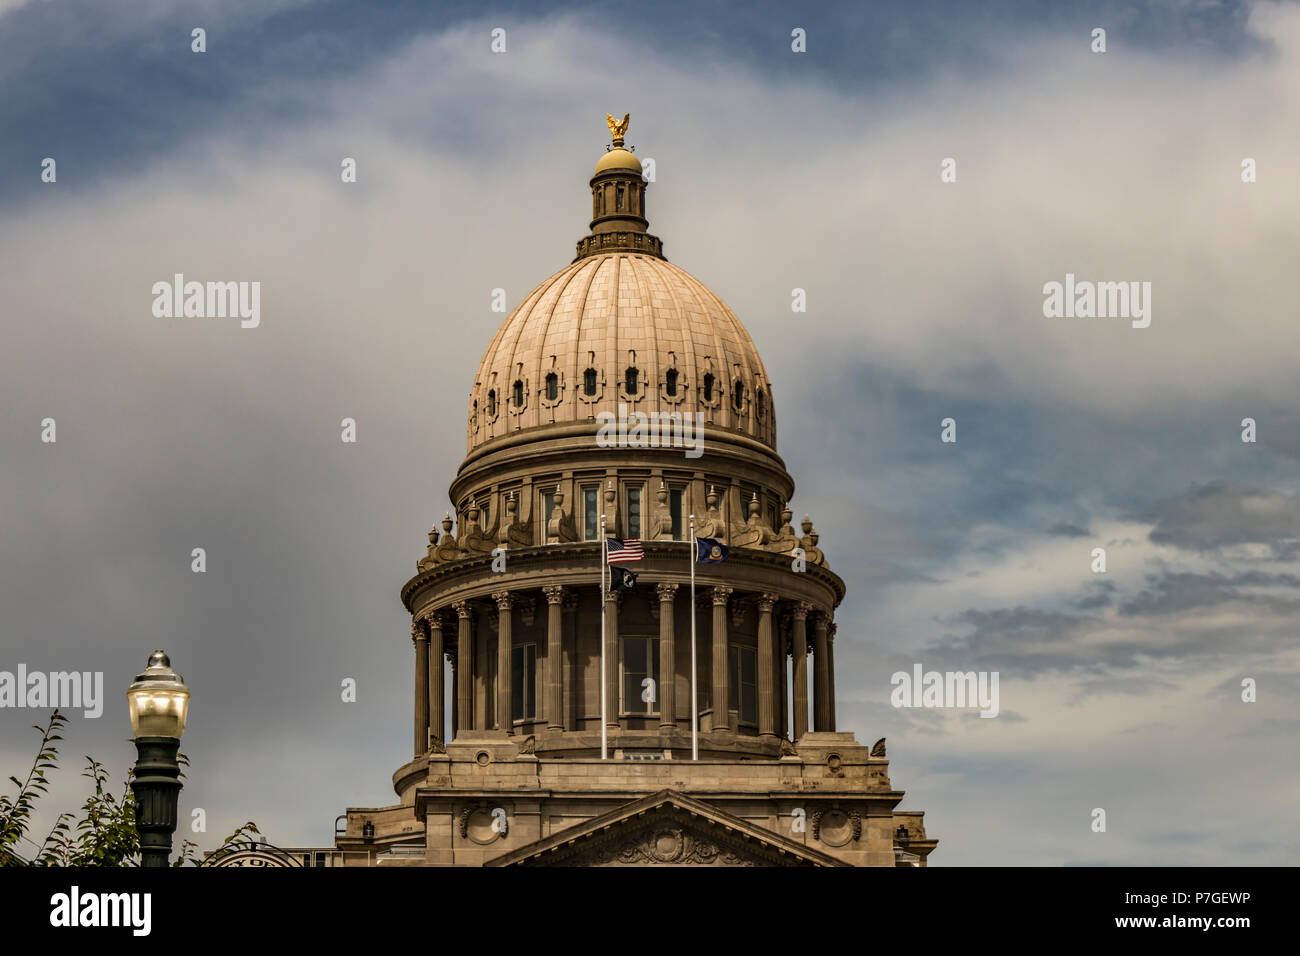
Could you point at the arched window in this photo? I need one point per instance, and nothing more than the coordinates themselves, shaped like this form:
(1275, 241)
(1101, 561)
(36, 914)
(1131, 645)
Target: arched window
(708, 387)
(552, 387)
(492, 403)
(738, 395)
(589, 382)
(629, 381)
(670, 382)
(518, 389)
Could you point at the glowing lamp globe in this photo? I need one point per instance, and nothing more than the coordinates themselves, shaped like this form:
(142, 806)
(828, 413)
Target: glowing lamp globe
(159, 700)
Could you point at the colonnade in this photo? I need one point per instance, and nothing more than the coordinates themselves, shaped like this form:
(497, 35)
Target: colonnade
(434, 639)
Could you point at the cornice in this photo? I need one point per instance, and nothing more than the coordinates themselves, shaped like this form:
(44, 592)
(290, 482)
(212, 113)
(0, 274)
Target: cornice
(578, 564)
(562, 437)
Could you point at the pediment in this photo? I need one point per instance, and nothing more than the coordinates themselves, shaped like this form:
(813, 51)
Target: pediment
(666, 829)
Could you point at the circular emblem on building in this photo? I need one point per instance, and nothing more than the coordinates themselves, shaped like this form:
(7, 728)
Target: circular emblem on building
(836, 828)
(252, 854)
(667, 845)
(482, 827)
(483, 758)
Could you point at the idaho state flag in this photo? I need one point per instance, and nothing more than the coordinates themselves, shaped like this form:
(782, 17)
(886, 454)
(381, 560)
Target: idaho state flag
(710, 551)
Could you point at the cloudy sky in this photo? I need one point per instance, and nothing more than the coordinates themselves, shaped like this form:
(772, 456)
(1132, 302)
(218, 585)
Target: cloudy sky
(775, 171)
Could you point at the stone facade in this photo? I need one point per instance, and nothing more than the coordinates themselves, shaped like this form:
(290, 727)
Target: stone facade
(507, 609)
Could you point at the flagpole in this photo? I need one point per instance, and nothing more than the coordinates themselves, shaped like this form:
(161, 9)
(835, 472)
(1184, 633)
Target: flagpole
(695, 706)
(604, 612)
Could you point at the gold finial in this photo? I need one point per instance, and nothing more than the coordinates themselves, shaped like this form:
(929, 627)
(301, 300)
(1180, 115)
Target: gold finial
(616, 130)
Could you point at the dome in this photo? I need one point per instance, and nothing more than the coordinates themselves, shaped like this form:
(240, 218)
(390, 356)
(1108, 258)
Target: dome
(618, 158)
(620, 328)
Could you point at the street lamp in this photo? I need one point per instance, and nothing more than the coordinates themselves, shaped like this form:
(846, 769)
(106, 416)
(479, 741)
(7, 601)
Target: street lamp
(159, 703)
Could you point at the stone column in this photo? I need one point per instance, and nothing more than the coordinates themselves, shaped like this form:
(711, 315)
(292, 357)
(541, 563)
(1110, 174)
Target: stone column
(766, 668)
(484, 718)
(799, 641)
(421, 641)
(554, 658)
(667, 659)
(830, 666)
(464, 669)
(504, 603)
(571, 663)
(721, 690)
(822, 675)
(455, 698)
(782, 683)
(437, 694)
(611, 660)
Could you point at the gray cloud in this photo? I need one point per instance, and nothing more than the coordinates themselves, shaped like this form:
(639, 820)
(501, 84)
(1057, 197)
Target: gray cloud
(1223, 513)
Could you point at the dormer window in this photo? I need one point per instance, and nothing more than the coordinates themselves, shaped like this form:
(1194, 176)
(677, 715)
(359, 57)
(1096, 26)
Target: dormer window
(492, 403)
(589, 382)
(738, 395)
(552, 387)
(670, 382)
(630, 381)
(708, 387)
(518, 393)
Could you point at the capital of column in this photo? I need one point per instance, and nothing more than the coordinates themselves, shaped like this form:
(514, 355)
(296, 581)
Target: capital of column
(614, 598)
(463, 610)
(667, 592)
(831, 628)
(767, 600)
(801, 610)
(554, 593)
(721, 594)
(570, 602)
(418, 632)
(504, 600)
(821, 619)
(435, 622)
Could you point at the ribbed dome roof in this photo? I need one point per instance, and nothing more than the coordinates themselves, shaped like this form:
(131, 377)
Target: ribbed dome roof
(620, 327)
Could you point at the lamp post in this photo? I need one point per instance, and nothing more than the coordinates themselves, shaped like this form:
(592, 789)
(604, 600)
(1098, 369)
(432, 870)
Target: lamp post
(159, 703)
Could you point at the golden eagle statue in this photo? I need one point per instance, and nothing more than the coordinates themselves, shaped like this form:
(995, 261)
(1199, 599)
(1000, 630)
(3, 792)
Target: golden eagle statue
(616, 129)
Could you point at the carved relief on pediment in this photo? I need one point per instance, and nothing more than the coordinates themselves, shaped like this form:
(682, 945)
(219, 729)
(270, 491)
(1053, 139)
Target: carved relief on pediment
(670, 838)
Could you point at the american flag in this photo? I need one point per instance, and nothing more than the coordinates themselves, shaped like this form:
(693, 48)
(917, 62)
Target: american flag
(623, 552)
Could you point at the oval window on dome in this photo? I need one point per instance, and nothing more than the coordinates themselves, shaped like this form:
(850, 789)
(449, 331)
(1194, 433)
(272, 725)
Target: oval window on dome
(630, 381)
(738, 395)
(589, 382)
(518, 389)
(492, 403)
(552, 387)
(670, 382)
(708, 387)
